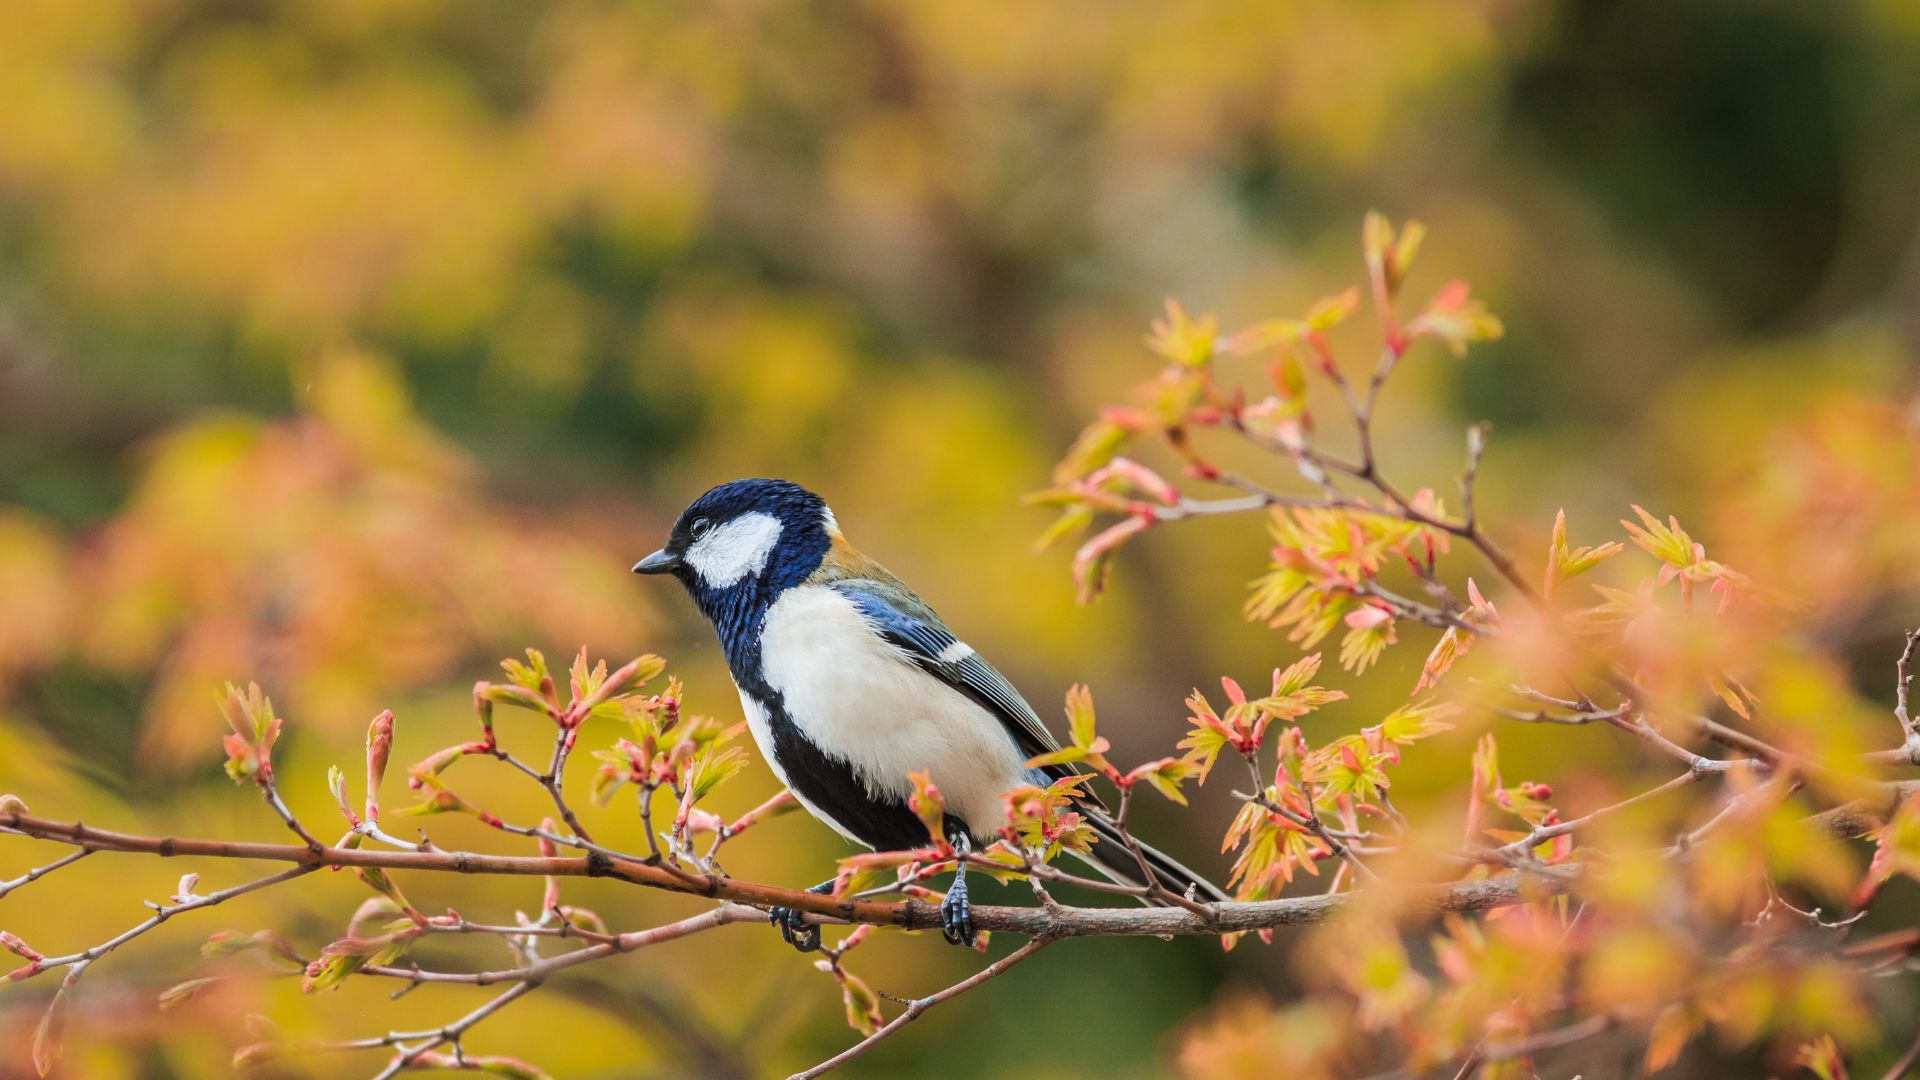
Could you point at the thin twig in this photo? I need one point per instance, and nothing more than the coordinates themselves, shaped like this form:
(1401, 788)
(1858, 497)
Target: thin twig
(1542, 833)
(451, 1033)
(1338, 846)
(39, 872)
(1640, 729)
(919, 1005)
(1740, 740)
(562, 745)
(721, 915)
(1913, 1049)
(1147, 876)
(1547, 1040)
(161, 913)
(1902, 679)
(272, 795)
(1309, 821)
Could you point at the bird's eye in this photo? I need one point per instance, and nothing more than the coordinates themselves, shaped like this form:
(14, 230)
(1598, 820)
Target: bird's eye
(700, 527)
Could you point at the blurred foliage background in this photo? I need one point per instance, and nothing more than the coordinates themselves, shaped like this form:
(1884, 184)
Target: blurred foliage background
(351, 346)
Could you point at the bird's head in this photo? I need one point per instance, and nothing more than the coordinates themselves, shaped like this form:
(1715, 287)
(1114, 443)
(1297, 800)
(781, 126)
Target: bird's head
(745, 539)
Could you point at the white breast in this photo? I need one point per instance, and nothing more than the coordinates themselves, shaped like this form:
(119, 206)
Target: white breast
(761, 728)
(864, 701)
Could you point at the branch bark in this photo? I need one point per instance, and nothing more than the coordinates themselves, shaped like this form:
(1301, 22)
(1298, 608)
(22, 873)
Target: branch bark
(1853, 819)
(1060, 922)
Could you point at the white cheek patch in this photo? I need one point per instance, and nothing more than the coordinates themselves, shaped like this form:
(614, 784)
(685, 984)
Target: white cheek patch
(734, 550)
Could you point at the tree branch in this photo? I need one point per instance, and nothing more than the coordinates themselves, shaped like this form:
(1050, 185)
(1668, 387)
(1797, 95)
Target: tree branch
(919, 1005)
(1061, 921)
(723, 915)
(909, 914)
(39, 872)
(161, 913)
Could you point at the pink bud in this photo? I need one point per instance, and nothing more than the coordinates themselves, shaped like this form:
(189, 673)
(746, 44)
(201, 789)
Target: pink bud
(1473, 594)
(11, 942)
(483, 707)
(1234, 693)
(379, 746)
(611, 686)
(1368, 617)
(1451, 297)
(1090, 559)
(1144, 479)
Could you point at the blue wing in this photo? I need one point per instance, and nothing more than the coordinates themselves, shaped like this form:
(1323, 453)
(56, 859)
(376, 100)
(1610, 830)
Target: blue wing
(909, 624)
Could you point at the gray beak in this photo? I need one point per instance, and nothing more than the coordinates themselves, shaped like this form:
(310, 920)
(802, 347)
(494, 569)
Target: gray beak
(660, 562)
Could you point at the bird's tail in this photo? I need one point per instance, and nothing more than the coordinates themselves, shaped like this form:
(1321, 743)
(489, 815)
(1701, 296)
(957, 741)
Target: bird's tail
(1116, 861)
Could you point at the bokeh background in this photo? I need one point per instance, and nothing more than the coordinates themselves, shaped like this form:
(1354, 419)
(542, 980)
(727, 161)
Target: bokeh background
(351, 346)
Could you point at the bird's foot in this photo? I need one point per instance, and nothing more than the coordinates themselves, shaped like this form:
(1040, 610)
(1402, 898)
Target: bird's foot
(794, 928)
(956, 915)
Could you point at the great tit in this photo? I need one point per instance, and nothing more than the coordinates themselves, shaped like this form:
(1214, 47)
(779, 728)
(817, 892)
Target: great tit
(850, 682)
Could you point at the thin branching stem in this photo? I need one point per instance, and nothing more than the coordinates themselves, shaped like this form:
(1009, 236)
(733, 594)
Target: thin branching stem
(272, 795)
(1311, 822)
(724, 914)
(163, 912)
(1912, 1054)
(39, 872)
(1147, 876)
(1542, 833)
(920, 1005)
(451, 1033)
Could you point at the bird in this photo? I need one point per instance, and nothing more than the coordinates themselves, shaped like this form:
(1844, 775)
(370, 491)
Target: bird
(850, 682)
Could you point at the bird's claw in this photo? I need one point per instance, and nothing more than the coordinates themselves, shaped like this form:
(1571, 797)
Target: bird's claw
(956, 915)
(794, 928)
